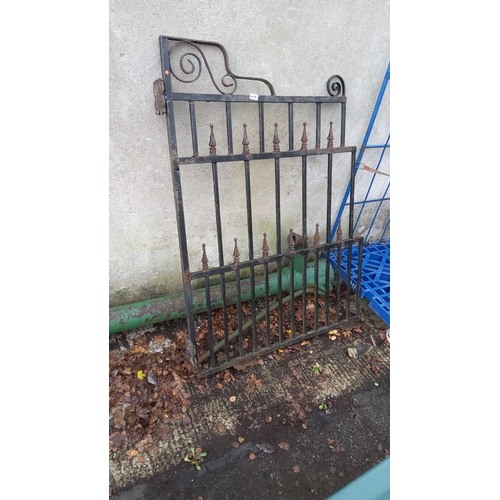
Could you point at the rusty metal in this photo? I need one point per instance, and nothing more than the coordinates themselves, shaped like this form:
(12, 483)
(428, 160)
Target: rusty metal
(330, 137)
(245, 142)
(276, 140)
(158, 90)
(211, 142)
(277, 280)
(304, 139)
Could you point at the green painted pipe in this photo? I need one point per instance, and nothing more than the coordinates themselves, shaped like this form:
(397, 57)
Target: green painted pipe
(170, 307)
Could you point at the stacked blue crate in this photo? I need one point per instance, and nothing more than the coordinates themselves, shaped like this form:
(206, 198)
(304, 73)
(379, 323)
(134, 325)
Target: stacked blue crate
(375, 275)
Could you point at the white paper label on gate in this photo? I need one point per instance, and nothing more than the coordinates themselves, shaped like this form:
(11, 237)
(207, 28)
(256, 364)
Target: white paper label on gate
(254, 97)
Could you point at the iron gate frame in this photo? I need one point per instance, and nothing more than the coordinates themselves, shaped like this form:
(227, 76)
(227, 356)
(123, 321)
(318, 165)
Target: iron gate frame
(298, 247)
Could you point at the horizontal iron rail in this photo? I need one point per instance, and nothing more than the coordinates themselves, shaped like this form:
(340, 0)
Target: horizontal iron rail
(285, 343)
(190, 160)
(274, 258)
(184, 96)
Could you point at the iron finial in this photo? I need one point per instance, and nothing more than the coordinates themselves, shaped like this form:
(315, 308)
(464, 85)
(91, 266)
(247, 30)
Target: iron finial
(212, 142)
(245, 142)
(316, 236)
(236, 253)
(276, 139)
(304, 139)
(204, 259)
(330, 137)
(265, 248)
(291, 241)
(339, 231)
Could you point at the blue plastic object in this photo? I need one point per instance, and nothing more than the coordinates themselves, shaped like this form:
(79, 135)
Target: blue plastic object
(372, 485)
(375, 275)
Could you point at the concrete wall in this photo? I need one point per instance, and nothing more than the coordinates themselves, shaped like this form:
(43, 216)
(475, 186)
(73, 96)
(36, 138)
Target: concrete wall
(295, 45)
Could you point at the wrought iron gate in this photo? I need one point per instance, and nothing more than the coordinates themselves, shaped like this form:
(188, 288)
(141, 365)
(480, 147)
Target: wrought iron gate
(279, 297)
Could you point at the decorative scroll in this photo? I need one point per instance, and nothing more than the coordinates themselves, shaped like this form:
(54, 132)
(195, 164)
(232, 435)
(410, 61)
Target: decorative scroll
(335, 86)
(191, 66)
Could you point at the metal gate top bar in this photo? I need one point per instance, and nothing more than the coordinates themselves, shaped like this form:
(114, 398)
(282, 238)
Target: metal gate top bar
(274, 99)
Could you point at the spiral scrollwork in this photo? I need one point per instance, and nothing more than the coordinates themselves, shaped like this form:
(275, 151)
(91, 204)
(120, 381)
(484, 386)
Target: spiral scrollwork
(184, 61)
(335, 86)
(191, 65)
(192, 59)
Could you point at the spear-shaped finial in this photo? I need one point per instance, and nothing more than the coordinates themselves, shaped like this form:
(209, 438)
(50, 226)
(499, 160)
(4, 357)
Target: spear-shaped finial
(204, 259)
(339, 231)
(212, 142)
(236, 253)
(304, 138)
(265, 247)
(276, 139)
(330, 137)
(316, 236)
(245, 142)
(291, 241)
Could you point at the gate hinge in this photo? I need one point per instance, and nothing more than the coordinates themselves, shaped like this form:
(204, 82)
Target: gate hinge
(187, 277)
(159, 89)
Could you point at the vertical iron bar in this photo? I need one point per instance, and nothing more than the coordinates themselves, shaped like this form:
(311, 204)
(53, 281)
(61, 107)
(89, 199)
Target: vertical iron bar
(316, 291)
(194, 133)
(229, 128)
(304, 291)
(265, 256)
(236, 256)
(351, 197)
(318, 125)
(327, 290)
(215, 181)
(292, 283)
(278, 244)
(342, 124)
(176, 183)
(261, 127)
(250, 249)
(339, 279)
(329, 198)
(304, 200)
(204, 261)
(209, 322)
(316, 280)
(290, 126)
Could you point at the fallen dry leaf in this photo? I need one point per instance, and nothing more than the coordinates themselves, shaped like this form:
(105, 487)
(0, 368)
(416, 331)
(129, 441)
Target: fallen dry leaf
(241, 439)
(252, 456)
(132, 453)
(138, 349)
(284, 446)
(221, 429)
(141, 460)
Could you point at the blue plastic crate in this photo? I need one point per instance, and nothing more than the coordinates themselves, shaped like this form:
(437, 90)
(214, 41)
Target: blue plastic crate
(375, 275)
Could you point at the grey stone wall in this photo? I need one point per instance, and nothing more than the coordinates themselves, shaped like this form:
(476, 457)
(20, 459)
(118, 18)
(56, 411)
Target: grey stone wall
(295, 45)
